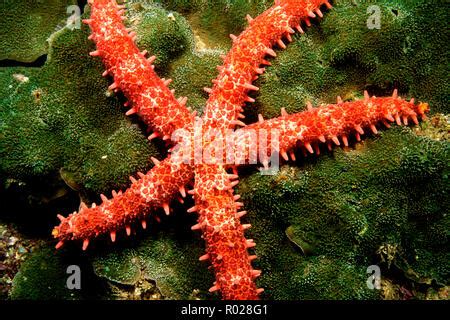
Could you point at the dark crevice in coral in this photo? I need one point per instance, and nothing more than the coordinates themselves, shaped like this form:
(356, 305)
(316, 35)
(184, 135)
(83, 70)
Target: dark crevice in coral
(407, 288)
(39, 62)
(32, 207)
(82, 4)
(387, 89)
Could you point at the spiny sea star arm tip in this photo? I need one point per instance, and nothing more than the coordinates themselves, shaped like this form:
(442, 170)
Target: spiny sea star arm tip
(328, 123)
(154, 190)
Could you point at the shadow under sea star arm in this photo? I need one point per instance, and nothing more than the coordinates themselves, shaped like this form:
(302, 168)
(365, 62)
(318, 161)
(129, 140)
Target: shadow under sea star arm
(147, 94)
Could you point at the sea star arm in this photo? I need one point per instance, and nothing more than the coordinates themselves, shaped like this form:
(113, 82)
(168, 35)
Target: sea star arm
(226, 245)
(147, 94)
(150, 192)
(329, 124)
(155, 103)
(242, 64)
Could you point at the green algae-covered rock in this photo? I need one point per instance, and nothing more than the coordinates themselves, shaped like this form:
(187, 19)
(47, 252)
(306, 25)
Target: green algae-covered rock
(26, 25)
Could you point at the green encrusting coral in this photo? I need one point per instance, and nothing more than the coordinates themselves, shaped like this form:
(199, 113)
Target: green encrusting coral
(333, 216)
(318, 223)
(48, 274)
(192, 73)
(167, 35)
(62, 118)
(167, 260)
(25, 26)
(43, 276)
(342, 56)
(220, 17)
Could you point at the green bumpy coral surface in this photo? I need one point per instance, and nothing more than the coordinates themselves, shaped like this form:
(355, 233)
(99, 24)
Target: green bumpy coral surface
(26, 25)
(62, 118)
(348, 207)
(43, 277)
(318, 223)
(165, 259)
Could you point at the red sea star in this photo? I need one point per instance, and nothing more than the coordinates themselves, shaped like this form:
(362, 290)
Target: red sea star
(153, 101)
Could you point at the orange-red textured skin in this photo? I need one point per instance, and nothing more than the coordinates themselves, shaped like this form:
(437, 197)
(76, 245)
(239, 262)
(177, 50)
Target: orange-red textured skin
(226, 245)
(162, 183)
(147, 94)
(147, 194)
(333, 123)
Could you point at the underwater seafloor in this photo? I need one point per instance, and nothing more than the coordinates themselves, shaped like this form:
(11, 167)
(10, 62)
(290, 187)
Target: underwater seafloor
(319, 223)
